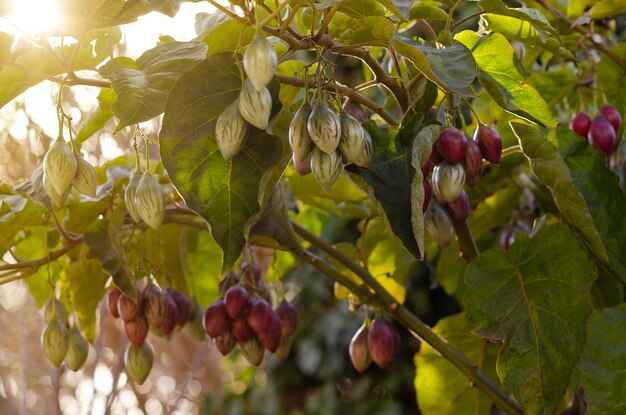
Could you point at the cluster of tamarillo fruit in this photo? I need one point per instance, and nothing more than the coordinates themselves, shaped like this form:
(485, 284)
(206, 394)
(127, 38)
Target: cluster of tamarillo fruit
(60, 341)
(601, 133)
(376, 341)
(243, 315)
(455, 160)
(64, 168)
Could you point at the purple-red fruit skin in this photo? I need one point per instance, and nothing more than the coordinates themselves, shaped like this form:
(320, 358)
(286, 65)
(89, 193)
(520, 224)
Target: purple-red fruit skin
(428, 194)
(137, 330)
(602, 135)
(288, 316)
(216, 319)
(435, 158)
(580, 124)
(452, 144)
(382, 342)
(259, 314)
(236, 300)
(127, 308)
(185, 309)
(612, 115)
(225, 342)
(230, 280)
(155, 302)
(251, 273)
(271, 337)
(172, 316)
(490, 143)
(240, 328)
(459, 207)
(473, 161)
(112, 298)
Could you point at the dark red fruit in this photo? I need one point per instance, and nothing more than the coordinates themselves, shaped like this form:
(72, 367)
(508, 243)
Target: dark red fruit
(216, 319)
(112, 297)
(229, 280)
(459, 207)
(382, 342)
(580, 124)
(426, 168)
(271, 337)
(137, 330)
(259, 315)
(240, 328)
(127, 308)
(236, 301)
(602, 135)
(155, 308)
(288, 316)
(612, 116)
(490, 143)
(171, 316)
(473, 161)
(225, 342)
(451, 144)
(428, 194)
(435, 158)
(185, 309)
(250, 273)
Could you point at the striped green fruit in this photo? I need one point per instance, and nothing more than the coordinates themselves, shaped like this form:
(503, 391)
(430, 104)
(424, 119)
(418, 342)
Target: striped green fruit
(299, 138)
(252, 350)
(324, 128)
(59, 165)
(85, 179)
(255, 106)
(259, 62)
(284, 347)
(130, 193)
(231, 130)
(325, 167)
(54, 309)
(365, 157)
(438, 224)
(448, 180)
(139, 361)
(352, 136)
(54, 341)
(150, 201)
(77, 350)
(58, 199)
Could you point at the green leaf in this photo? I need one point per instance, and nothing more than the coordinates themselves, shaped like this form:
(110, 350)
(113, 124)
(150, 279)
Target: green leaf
(422, 11)
(420, 151)
(230, 194)
(6, 41)
(142, 87)
(607, 8)
(494, 211)
(535, 298)
(440, 387)
(18, 212)
(603, 363)
(368, 29)
(227, 36)
(611, 80)
(98, 119)
(388, 185)
(361, 8)
(453, 68)
(533, 16)
(203, 264)
(105, 245)
(504, 78)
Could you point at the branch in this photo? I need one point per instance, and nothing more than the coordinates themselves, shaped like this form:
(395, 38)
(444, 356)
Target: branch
(587, 33)
(343, 90)
(410, 321)
(467, 245)
(36, 263)
(76, 80)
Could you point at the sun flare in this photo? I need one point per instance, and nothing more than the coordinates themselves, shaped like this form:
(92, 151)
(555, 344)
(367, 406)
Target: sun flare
(34, 17)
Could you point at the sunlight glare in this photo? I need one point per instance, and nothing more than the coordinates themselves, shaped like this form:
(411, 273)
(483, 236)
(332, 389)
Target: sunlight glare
(34, 16)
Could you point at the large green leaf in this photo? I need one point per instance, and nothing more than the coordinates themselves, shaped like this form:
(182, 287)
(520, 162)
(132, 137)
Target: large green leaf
(494, 211)
(142, 87)
(440, 387)
(228, 194)
(606, 8)
(98, 119)
(453, 68)
(226, 36)
(504, 78)
(611, 80)
(533, 16)
(603, 363)
(534, 298)
(203, 264)
(367, 29)
(388, 184)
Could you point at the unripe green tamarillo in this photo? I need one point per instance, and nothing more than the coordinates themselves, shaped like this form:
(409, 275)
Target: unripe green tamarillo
(255, 106)
(259, 62)
(324, 127)
(325, 167)
(448, 181)
(54, 341)
(352, 138)
(85, 179)
(77, 350)
(359, 352)
(231, 130)
(57, 198)
(59, 166)
(438, 224)
(150, 201)
(365, 157)
(130, 193)
(139, 361)
(252, 350)
(299, 137)
(55, 309)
